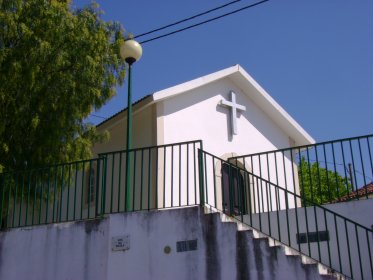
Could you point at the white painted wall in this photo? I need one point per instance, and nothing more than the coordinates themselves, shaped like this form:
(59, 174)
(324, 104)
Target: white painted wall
(60, 251)
(83, 250)
(197, 115)
(144, 134)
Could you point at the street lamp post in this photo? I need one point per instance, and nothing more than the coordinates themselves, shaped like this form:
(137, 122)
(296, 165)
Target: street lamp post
(131, 51)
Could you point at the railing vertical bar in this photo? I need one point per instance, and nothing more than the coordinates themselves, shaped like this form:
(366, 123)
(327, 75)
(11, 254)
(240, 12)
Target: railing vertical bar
(187, 174)
(179, 175)
(3, 186)
(363, 171)
(249, 192)
(327, 174)
(222, 188)
(278, 204)
(296, 218)
(119, 180)
(48, 192)
(240, 197)
(61, 191)
(97, 189)
(294, 195)
(261, 190)
(230, 190)
(34, 200)
(156, 178)
(286, 200)
(338, 247)
(259, 208)
(90, 170)
(269, 179)
(348, 249)
(335, 172)
(307, 231)
(318, 176)
(268, 212)
(214, 175)
(195, 173)
(134, 181)
(103, 196)
(82, 190)
(359, 253)
(205, 193)
(172, 176)
(164, 176)
(344, 168)
(21, 202)
(370, 156)
(41, 195)
(68, 193)
(328, 241)
(254, 198)
(201, 178)
(261, 183)
(112, 181)
(309, 173)
(317, 230)
(142, 178)
(8, 204)
(370, 254)
(15, 198)
(28, 196)
(353, 166)
(149, 176)
(75, 188)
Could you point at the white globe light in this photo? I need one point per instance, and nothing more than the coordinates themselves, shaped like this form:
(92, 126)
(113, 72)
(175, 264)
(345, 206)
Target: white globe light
(131, 51)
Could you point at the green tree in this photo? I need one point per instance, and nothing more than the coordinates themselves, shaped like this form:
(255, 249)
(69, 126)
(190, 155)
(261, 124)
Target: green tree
(320, 185)
(57, 64)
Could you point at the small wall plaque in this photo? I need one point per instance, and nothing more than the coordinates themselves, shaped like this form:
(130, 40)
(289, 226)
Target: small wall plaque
(188, 245)
(120, 243)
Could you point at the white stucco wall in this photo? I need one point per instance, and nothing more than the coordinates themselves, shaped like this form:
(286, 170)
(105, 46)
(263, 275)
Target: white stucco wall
(144, 134)
(197, 115)
(83, 250)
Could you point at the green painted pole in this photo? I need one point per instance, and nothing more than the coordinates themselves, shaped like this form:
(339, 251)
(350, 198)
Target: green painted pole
(129, 141)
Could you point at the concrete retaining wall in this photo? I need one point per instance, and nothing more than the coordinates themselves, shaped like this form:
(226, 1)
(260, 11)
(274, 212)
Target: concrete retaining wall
(146, 247)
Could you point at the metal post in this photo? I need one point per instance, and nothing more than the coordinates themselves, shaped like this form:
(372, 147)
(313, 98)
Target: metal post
(129, 141)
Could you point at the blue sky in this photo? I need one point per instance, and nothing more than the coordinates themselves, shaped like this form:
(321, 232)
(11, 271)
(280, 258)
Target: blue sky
(315, 58)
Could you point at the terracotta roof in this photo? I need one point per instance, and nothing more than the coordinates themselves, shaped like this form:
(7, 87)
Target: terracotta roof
(361, 192)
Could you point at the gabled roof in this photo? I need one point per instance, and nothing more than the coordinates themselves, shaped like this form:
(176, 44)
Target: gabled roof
(249, 87)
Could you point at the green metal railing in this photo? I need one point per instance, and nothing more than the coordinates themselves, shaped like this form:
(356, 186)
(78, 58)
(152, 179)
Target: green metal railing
(325, 172)
(162, 176)
(260, 190)
(53, 194)
(316, 231)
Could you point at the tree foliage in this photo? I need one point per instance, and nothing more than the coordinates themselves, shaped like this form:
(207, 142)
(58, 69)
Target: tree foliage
(56, 65)
(319, 185)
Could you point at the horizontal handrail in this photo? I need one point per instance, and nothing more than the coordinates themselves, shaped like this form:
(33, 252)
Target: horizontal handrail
(152, 147)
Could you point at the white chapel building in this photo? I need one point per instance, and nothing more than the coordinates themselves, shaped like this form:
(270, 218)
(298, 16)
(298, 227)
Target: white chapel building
(228, 110)
(187, 146)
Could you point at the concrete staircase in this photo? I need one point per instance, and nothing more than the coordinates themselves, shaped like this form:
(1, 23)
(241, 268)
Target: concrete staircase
(259, 256)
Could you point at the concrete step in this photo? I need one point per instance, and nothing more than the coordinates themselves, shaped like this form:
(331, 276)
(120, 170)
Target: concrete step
(275, 249)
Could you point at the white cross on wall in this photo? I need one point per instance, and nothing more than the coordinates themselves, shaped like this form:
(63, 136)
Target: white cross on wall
(234, 107)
